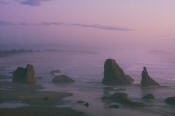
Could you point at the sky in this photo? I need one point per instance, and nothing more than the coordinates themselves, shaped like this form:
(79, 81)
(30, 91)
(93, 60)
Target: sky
(88, 22)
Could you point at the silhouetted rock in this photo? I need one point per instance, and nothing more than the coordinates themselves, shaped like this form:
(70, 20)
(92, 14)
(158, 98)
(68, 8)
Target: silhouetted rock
(122, 98)
(113, 74)
(83, 103)
(170, 100)
(147, 80)
(24, 75)
(86, 104)
(148, 96)
(62, 79)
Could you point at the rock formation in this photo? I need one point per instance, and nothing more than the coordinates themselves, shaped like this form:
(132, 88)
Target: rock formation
(170, 100)
(24, 75)
(62, 79)
(147, 80)
(122, 98)
(113, 74)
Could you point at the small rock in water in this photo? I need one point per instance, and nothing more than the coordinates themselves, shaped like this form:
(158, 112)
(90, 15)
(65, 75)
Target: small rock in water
(148, 96)
(24, 75)
(170, 100)
(86, 104)
(62, 79)
(147, 81)
(122, 98)
(114, 74)
(83, 103)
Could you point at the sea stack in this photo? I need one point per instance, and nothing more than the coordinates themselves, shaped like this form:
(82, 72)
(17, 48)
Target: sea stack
(24, 75)
(114, 74)
(147, 81)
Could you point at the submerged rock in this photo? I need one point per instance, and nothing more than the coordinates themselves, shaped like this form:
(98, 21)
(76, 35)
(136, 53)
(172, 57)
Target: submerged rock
(147, 80)
(122, 98)
(24, 75)
(148, 96)
(83, 103)
(62, 79)
(114, 74)
(170, 100)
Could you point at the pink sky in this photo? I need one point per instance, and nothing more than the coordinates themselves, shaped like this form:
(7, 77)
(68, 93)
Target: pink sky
(147, 21)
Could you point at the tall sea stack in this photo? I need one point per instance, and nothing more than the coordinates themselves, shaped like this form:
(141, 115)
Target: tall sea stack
(114, 74)
(147, 80)
(24, 75)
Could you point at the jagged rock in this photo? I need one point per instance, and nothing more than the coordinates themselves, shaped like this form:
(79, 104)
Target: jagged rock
(147, 80)
(114, 74)
(62, 79)
(122, 98)
(170, 100)
(148, 96)
(24, 75)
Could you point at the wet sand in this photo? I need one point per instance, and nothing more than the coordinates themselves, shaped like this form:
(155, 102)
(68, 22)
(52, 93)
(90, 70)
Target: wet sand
(39, 111)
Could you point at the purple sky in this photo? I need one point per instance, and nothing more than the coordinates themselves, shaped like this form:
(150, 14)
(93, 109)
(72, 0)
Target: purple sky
(105, 22)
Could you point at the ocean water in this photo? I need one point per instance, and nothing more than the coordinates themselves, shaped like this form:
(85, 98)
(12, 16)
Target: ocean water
(86, 68)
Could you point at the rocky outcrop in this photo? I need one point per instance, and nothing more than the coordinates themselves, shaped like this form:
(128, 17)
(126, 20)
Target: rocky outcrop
(122, 98)
(147, 81)
(170, 100)
(62, 79)
(24, 75)
(114, 74)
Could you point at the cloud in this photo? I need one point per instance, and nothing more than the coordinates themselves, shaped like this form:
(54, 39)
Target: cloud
(32, 2)
(94, 26)
(103, 27)
(5, 23)
(25, 2)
